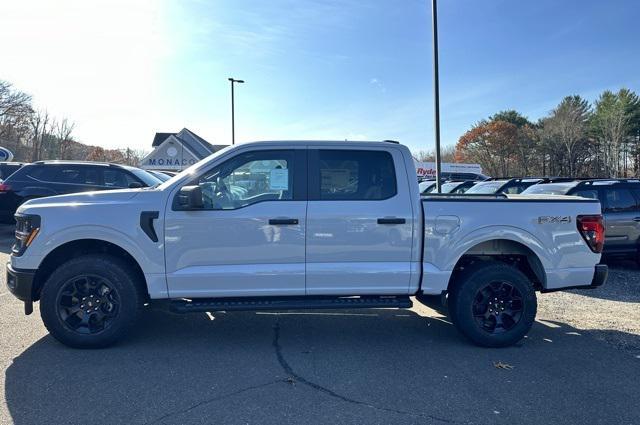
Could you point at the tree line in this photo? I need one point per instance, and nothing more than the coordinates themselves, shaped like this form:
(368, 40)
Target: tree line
(576, 139)
(33, 134)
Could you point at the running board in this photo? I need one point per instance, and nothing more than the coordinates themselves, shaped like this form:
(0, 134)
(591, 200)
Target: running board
(288, 303)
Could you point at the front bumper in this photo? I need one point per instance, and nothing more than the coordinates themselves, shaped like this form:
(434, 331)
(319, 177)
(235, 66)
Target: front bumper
(20, 284)
(599, 278)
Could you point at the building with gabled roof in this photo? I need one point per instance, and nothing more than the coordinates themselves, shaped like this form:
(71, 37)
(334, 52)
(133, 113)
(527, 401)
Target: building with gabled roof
(177, 151)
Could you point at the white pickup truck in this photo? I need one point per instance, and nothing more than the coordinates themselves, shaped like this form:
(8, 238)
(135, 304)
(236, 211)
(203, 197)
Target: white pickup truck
(299, 225)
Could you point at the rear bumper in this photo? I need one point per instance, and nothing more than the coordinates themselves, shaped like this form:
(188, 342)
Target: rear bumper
(599, 278)
(20, 284)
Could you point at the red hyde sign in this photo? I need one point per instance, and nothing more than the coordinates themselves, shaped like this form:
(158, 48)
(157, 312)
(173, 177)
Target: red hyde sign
(428, 169)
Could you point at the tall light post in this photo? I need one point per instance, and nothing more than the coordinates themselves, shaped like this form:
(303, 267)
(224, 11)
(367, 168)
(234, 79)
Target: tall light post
(233, 123)
(436, 91)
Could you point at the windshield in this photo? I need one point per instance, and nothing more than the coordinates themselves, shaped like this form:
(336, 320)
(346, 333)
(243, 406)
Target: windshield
(147, 178)
(487, 187)
(449, 187)
(426, 187)
(549, 189)
(160, 176)
(193, 169)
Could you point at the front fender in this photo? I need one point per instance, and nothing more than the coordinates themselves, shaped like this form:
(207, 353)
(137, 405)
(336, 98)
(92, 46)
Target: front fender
(149, 255)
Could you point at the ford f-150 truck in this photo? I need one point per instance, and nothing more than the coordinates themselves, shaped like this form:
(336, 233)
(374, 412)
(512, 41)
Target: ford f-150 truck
(299, 225)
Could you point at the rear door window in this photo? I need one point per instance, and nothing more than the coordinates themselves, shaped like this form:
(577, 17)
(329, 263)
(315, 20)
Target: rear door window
(354, 175)
(619, 200)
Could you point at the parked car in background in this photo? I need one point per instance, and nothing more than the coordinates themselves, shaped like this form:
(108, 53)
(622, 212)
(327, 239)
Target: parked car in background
(49, 178)
(426, 186)
(620, 199)
(506, 186)
(429, 186)
(458, 187)
(8, 168)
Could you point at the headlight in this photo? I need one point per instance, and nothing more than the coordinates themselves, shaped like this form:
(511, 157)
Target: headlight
(27, 228)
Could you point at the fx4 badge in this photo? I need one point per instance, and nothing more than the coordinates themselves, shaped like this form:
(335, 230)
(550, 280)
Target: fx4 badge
(547, 219)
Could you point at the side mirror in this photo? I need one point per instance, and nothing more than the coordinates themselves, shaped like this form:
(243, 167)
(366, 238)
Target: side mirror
(190, 197)
(135, 185)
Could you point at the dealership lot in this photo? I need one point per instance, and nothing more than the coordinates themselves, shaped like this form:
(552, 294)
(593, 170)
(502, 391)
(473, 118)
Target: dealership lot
(579, 364)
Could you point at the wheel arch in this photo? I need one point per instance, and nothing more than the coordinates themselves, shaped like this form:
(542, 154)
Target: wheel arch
(507, 251)
(78, 247)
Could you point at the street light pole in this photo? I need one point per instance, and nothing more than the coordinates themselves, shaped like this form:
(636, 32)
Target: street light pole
(436, 92)
(233, 123)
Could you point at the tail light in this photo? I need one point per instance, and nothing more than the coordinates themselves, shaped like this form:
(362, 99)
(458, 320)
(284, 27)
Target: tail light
(4, 187)
(591, 227)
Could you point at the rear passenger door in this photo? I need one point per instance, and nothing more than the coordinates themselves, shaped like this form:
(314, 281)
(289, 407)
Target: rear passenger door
(622, 220)
(359, 222)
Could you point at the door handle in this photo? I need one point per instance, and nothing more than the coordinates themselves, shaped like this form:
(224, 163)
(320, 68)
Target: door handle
(391, 220)
(636, 219)
(282, 221)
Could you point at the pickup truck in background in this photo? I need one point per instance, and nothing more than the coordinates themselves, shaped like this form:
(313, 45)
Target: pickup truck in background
(299, 225)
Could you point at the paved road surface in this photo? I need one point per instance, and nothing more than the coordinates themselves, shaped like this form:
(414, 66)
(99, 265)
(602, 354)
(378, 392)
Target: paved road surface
(380, 366)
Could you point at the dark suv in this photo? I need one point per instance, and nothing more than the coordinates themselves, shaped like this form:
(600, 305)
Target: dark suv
(8, 168)
(48, 178)
(620, 200)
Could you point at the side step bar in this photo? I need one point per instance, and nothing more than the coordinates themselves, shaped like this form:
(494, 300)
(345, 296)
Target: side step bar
(287, 303)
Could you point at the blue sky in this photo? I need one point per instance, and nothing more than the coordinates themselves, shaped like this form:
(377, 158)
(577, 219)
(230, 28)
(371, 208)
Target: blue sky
(313, 69)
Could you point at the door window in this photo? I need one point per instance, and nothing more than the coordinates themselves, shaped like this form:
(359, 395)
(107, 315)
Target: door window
(355, 175)
(619, 199)
(247, 179)
(68, 174)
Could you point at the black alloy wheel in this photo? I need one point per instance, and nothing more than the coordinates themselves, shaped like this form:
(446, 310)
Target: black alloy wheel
(88, 304)
(497, 307)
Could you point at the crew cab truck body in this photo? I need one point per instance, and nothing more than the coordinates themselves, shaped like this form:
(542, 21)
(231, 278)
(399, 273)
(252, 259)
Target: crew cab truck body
(290, 225)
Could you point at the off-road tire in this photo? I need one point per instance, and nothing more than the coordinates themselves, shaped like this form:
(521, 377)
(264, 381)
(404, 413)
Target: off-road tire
(467, 300)
(124, 288)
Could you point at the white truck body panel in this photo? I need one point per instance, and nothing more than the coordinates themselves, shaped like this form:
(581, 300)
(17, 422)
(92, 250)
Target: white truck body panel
(566, 259)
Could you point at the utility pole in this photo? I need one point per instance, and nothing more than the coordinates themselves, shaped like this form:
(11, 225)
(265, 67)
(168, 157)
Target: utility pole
(233, 123)
(436, 92)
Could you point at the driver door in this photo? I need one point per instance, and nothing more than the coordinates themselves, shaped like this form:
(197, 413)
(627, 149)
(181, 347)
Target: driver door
(249, 237)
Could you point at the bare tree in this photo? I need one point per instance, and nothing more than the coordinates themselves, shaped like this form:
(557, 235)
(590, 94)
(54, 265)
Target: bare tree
(63, 133)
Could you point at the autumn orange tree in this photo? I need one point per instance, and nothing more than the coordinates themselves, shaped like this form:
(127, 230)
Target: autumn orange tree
(492, 144)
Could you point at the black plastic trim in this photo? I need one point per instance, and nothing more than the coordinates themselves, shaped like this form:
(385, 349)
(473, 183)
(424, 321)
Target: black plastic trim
(288, 303)
(282, 221)
(146, 223)
(20, 284)
(391, 220)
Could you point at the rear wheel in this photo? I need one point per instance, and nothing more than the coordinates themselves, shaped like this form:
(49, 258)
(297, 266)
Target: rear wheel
(493, 305)
(91, 301)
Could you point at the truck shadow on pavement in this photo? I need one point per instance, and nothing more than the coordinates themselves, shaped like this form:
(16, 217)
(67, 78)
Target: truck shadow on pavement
(373, 366)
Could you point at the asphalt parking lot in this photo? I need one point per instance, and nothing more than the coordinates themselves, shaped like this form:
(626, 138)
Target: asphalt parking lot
(580, 364)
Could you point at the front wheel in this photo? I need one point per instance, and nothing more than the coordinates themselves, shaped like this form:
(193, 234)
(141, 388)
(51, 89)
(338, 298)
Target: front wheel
(91, 301)
(493, 305)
